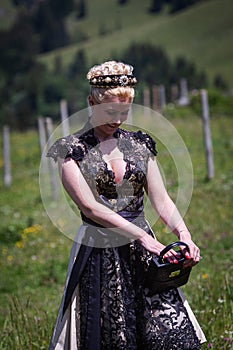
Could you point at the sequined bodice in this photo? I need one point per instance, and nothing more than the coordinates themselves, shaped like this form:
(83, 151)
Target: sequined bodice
(136, 148)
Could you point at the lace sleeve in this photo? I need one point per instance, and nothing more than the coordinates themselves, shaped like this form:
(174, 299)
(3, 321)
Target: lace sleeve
(67, 147)
(148, 141)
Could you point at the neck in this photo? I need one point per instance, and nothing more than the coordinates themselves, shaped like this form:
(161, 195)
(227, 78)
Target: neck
(103, 135)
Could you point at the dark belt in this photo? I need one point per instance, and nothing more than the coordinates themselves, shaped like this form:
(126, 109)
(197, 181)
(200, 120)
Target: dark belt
(128, 215)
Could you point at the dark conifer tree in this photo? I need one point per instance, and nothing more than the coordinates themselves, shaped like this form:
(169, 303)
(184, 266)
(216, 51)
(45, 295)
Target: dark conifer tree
(78, 67)
(156, 6)
(61, 8)
(81, 9)
(122, 2)
(50, 28)
(178, 5)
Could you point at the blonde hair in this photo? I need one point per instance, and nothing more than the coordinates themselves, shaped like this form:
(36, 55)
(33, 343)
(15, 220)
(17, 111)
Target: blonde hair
(110, 68)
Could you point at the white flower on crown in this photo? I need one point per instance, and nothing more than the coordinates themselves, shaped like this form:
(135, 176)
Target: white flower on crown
(110, 68)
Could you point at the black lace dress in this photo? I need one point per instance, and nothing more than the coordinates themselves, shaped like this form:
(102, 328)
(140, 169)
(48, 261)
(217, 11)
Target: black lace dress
(105, 305)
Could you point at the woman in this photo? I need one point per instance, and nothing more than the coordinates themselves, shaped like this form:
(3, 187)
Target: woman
(106, 170)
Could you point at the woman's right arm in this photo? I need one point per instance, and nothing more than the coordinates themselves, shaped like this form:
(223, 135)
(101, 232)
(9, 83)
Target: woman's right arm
(79, 191)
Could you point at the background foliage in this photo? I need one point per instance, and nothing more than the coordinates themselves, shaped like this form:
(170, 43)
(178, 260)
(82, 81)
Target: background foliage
(47, 47)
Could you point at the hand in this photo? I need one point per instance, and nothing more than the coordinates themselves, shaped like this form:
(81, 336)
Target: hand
(151, 244)
(193, 256)
(154, 246)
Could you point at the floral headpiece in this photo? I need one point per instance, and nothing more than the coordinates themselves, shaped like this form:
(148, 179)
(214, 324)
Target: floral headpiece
(112, 81)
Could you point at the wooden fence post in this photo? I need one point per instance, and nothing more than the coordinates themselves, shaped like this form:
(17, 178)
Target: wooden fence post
(52, 168)
(184, 99)
(162, 97)
(207, 134)
(6, 156)
(64, 118)
(174, 93)
(42, 133)
(146, 101)
(155, 98)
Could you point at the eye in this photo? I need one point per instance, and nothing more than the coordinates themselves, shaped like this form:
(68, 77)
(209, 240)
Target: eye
(111, 113)
(125, 113)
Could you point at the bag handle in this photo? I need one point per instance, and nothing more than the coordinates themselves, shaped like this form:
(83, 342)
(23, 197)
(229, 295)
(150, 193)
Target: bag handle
(169, 247)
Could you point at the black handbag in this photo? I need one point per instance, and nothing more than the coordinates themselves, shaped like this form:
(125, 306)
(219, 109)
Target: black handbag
(162, 275)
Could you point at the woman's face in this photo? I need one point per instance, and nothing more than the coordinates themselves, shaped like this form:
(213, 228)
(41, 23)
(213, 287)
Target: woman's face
(108, 116)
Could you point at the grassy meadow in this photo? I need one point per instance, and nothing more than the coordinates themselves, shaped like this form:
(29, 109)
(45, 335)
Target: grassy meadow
(34, 254)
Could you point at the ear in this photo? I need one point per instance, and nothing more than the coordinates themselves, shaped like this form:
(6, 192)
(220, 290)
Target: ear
(90, 100)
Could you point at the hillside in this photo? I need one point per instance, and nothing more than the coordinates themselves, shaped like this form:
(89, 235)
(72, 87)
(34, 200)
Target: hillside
(203, 33)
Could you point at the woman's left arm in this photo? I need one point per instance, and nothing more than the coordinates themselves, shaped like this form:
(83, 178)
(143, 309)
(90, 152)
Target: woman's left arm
(167, 211)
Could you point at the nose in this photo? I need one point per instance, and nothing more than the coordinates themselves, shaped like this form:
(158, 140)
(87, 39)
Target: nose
(119, 118)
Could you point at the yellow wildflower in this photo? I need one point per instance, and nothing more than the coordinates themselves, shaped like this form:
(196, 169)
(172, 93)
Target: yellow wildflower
(4, 251)
(19, 244)
(28, 230)
(205, 276)
(32, 229)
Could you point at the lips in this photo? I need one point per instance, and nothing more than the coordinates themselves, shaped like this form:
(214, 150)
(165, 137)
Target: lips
(113, 126)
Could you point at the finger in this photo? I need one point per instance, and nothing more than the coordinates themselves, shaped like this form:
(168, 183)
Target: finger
(185, 252)
(193, 253)
(197, 258)
(188, 263)
(192, 261)
(188, 259)
(171, 257)
(196, 254)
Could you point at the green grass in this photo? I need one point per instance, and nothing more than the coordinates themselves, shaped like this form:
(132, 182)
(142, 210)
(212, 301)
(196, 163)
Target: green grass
(203, 33)
(34, 255)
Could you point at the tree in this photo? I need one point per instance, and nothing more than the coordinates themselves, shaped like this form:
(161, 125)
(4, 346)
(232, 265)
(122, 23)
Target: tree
(78, 67)
(78, 87)
(18, 47)
(219, 82)
(151, 63)
(178, 5)
(156, 6)
(153, 67)
(81, 9)
(183, 68)
(122, 2)
(61, 8)
(51, 29)
(28, 3)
